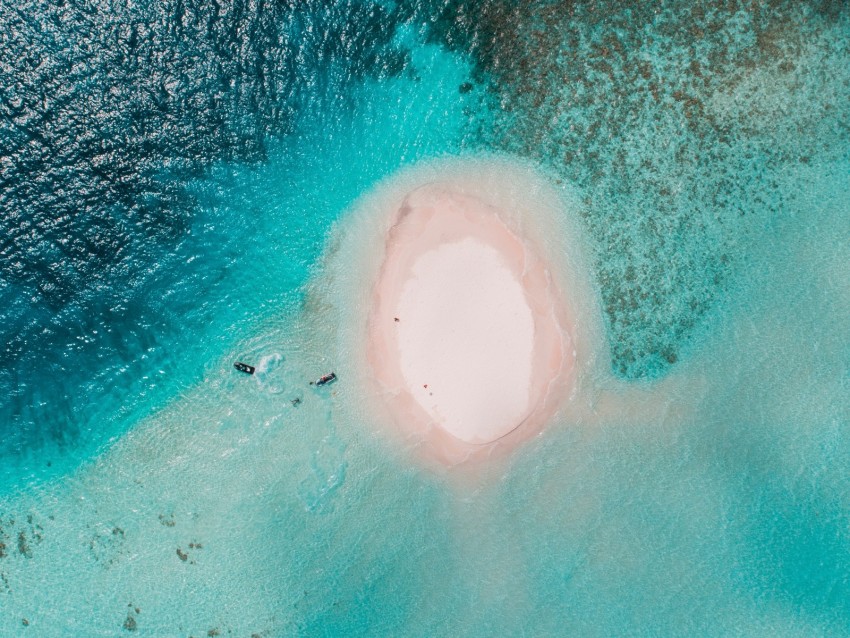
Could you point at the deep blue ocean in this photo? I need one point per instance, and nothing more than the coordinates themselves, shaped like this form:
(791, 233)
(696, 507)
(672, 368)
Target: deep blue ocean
(175, 178)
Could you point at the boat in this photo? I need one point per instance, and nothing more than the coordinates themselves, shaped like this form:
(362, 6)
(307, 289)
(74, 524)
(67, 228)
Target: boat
(328, 378)
(244, 367)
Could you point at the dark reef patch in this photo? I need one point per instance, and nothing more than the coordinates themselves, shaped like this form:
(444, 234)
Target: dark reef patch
(131, 623)
(683, 115)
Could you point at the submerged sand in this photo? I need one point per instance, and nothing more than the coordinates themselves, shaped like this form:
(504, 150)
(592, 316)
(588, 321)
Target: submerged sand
(468, 336)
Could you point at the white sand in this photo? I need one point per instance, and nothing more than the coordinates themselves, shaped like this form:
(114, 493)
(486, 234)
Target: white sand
(465, 338)
(465, 331)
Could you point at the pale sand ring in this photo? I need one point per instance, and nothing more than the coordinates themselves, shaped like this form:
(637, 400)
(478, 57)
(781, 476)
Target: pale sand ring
(465, 334)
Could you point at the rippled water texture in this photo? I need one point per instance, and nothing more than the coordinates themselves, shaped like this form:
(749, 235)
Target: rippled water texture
(679, 120)
(115, 259)
(178, 181)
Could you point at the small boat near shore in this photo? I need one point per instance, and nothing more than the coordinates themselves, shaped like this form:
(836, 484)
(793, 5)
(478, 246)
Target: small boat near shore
(328, 378)
(244, 367)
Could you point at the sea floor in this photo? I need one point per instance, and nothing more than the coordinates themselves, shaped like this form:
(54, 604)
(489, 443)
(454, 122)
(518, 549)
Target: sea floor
(149, 489)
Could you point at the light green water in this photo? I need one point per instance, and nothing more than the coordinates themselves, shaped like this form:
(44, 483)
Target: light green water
(710, 499)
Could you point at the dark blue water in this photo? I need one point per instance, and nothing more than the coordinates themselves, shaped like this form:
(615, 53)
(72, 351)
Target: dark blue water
(169, 175)
(107, 113)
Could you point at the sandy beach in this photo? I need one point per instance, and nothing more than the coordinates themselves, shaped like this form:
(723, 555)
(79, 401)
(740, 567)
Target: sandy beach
(466, 334)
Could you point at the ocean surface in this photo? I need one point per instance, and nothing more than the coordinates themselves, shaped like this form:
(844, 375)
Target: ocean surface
(180, 183)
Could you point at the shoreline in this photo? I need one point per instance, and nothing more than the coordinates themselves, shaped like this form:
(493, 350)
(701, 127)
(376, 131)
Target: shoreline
(469, 340)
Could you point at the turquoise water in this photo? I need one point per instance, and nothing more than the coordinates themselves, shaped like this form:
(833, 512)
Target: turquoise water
(702, 489)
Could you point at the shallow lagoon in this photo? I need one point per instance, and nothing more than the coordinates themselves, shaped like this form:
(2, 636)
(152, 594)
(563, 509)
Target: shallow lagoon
(702, 492)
